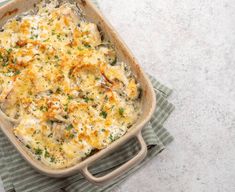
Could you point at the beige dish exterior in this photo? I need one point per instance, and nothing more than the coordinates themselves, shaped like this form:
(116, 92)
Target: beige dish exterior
(148, 100)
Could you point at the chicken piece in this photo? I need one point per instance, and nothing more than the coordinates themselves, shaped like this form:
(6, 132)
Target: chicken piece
(28, 126)
(5, 88)
(58, 131)
(69, 12)
(110, 55)
(112, 73)
(93, 37)
(55, 110)
(132, 89)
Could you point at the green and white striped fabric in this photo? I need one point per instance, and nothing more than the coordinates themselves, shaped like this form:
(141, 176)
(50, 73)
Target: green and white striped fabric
(2, 2)
(18, 176)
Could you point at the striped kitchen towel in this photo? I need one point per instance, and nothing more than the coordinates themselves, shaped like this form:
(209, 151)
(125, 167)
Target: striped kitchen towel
(18, 176)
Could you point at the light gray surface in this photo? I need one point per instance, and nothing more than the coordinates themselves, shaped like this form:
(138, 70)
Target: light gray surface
(189, 45)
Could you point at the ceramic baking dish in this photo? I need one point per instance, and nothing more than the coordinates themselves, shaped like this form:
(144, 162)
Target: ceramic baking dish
(16, 7)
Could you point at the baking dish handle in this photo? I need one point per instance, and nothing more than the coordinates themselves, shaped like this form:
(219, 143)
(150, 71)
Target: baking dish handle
(120, 170)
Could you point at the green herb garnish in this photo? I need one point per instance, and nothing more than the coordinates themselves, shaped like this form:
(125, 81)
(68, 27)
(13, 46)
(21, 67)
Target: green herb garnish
(103, 114)
(5, 64)
(87, 46)
(34, 37)
(70, 97)
(15, 61)
(53, 32)
(9, 50)
(68, 128)
(66, 107)
(86, 99)
(17, 72)
(43, 108)
(80, 49)
(58, 90)
(121, 111)
(59, 37)
(46, 40)
(111, 138)
(52, 159)
(113, 62)
(38, 151)
(46, 154)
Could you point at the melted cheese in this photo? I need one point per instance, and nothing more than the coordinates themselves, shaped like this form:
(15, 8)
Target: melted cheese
(62, 83)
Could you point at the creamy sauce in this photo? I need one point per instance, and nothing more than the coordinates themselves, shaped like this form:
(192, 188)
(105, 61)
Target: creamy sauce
(64, 84)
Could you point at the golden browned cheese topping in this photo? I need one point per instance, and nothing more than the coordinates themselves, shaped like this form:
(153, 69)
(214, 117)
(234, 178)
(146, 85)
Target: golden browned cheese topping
(64, 85)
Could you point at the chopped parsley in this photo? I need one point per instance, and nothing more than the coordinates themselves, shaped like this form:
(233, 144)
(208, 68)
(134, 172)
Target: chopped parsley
(17, 72)
(113, 62)
(121, 111)
(34, 133)
(34, 37)
(5, 64)
(15, 61)
(46, 40)
(50, 122)
(53, 32)
(66, 116)
(66, 107)
(70, 97)
(28, 146)
(103, 114)
(43, 108)
(58, 90)
(106, 98)
(87, 99)
(71, 136)
(59, 37)
(87, 46)
(88, 153)
(9, 51)
(112, 138)
(69, 127)
(52, 159)
(38, 151)
(46, 154)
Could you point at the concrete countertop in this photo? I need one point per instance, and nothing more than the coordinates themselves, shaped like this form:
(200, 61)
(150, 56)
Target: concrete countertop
(190, 46)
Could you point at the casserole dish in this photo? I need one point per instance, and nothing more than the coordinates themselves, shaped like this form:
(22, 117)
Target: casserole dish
(147, 108)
